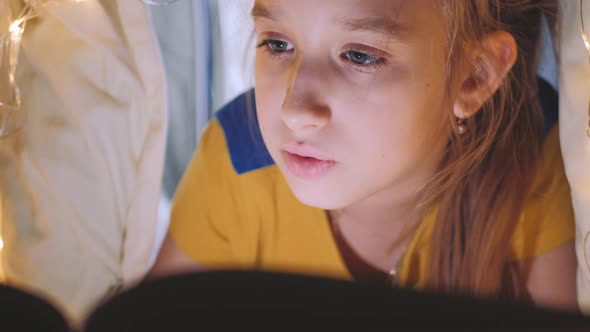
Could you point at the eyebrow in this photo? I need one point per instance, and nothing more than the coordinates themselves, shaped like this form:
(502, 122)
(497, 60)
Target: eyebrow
(260, 11)
(376, 24)
(381, 25)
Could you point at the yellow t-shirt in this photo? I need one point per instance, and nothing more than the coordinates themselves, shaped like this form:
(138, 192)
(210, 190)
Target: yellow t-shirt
(233, 209)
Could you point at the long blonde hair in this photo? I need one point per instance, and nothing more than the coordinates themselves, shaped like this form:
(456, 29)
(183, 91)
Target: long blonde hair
(487, 173)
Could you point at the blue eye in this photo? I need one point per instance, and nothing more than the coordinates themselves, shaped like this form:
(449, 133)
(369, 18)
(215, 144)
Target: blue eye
(363, 61)
(361, 58)
(278, 46)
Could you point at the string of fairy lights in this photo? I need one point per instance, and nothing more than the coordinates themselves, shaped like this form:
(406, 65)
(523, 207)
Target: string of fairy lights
(12, 116)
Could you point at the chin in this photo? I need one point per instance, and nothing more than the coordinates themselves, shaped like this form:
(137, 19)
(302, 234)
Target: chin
(320, 196)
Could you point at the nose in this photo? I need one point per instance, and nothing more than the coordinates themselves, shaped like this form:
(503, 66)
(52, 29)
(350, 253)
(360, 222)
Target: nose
(303, 110)
(305, 115)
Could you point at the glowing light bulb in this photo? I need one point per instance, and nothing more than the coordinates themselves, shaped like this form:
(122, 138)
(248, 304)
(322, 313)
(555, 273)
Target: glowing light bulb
(16, 29)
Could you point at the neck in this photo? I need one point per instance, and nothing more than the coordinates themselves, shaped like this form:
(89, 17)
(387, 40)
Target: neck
(380, 226)
(376, 227)
(387, 207)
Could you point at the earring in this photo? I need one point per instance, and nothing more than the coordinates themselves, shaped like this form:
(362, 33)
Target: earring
(461, 128)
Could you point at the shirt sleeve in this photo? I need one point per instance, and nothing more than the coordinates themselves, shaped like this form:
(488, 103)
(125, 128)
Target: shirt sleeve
(548, 219)
(206, 204)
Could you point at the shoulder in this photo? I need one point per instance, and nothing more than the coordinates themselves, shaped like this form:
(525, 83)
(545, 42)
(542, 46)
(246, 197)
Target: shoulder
(231, 160)
(242, 136)
(548, 220)
(216, 212)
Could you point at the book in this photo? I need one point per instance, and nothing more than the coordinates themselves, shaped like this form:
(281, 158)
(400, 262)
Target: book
(263, 301)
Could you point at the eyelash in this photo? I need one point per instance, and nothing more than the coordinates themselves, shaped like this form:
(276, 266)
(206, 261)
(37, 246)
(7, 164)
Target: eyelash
(266, 47)
(377, 62)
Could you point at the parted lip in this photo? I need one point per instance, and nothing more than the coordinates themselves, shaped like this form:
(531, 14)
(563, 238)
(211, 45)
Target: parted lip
(307, 151)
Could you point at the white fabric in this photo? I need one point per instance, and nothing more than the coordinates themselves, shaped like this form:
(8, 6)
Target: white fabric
(81, 182)
(234, 52)
(187, 92)
(182, 29)
(574, 90)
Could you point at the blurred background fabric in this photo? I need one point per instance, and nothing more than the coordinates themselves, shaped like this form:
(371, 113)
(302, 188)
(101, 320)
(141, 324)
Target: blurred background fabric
(574, 116)
(208, 50)
(81, 182)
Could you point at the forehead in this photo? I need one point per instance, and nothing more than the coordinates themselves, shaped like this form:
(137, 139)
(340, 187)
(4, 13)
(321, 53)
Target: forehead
(397, 16)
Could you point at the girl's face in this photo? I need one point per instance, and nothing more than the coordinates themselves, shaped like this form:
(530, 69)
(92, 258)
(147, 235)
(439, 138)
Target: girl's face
(350, 96)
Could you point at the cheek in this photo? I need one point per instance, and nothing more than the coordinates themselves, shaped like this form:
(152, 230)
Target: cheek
(268, 112)
(269, 73)
(267, 120)
(271, 84)
(398, 128)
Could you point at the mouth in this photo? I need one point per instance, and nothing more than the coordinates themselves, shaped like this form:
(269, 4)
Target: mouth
(306, 162)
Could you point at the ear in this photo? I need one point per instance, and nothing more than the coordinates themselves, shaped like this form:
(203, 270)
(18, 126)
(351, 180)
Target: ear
(491, 60)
